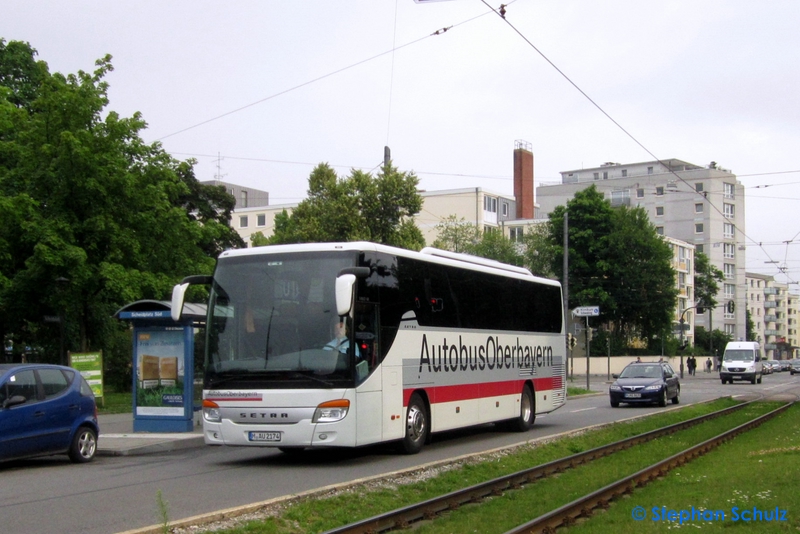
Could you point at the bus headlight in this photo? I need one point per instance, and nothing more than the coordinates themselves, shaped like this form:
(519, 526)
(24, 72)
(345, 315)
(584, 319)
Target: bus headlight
(331, 411)
(211, 411)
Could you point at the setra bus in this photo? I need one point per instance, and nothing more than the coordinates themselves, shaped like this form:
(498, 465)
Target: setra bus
(350, 344)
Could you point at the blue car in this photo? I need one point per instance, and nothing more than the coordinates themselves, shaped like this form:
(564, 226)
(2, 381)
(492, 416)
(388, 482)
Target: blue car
(44, 410)
(654, 382)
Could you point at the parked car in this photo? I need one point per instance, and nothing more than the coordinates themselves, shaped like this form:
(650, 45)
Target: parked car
(795, 367)
(785, 365)
(653, 382)
(45, 410)
(769, 366)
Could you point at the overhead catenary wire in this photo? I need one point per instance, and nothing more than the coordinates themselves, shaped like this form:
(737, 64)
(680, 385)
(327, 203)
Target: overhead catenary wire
(502, 13)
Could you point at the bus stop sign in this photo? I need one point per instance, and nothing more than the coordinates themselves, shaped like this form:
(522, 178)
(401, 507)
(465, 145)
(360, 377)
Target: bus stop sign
(586, 311)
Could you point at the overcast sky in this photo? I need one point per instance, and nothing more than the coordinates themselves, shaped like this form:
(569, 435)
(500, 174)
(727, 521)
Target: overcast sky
(259, 92)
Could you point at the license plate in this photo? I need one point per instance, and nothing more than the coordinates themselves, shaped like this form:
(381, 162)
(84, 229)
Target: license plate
(633, 395)
(265, 436)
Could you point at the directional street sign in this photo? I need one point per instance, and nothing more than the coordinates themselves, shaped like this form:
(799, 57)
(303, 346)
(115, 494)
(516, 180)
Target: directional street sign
(586, 311)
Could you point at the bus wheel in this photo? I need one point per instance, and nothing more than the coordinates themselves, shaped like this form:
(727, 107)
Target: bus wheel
(527, 411)
(417, 425)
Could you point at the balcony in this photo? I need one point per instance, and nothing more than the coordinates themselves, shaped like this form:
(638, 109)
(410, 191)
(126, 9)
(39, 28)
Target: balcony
(770, 304)
(770, 332)
(770, 318)
(771, 291)
(770, 346)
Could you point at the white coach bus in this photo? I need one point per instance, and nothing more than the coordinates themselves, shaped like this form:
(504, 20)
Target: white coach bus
(349, 344)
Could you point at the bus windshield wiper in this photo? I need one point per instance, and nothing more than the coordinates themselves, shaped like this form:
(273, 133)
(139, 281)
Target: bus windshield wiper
(312, 377)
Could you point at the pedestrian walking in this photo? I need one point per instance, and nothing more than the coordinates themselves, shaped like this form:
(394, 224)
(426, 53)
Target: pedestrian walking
(708, 365)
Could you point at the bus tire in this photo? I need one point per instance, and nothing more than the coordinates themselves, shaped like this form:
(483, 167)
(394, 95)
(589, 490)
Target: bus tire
(527, 412)
(417, 425)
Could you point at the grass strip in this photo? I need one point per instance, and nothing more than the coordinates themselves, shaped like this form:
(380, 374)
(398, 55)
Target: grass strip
(517, 507)
(737, 487)
(319, 515)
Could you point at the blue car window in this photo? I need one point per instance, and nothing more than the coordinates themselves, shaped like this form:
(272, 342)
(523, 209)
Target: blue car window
(54, 382)
(21, 383)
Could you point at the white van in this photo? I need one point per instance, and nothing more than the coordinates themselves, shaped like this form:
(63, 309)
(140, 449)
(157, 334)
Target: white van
(741, 361)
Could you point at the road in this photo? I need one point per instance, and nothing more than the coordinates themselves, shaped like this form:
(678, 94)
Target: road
(115, 494)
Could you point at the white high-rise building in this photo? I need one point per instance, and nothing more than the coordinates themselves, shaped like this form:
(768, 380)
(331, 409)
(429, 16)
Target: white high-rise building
(703, 206)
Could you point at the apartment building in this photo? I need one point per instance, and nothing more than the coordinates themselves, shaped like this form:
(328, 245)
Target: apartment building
(773, 311)
(703, 206)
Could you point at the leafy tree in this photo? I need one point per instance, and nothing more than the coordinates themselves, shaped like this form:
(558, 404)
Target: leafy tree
(616, 261)
(750, 326)
(85, 201)
(494, 245)
(706, 281)
(357, 207)
(456, 235)
(539, 250)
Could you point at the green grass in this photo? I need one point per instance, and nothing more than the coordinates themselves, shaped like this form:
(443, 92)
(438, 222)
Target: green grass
(757, 469)
(115, 403)
(318, 515)
(575, 391)
(497, 515)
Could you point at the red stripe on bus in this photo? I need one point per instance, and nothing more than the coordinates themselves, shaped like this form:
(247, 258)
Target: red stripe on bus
(437, 394)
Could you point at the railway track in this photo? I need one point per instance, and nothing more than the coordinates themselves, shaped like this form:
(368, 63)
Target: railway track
(567, 514)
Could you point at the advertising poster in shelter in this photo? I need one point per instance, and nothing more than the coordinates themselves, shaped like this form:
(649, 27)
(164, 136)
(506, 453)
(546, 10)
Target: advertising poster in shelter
(159, 371)
(90, 366)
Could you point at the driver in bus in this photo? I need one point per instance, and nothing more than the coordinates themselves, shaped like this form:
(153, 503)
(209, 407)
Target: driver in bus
(340, 341)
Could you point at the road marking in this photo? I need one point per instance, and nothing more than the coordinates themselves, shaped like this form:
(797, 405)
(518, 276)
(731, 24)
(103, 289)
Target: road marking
(583, 409)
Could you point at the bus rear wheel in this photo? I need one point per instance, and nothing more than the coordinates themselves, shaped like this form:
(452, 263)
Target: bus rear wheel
(417, 425)
(527, 413)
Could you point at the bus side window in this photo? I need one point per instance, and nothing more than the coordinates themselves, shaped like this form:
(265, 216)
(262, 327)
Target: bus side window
(366, 334)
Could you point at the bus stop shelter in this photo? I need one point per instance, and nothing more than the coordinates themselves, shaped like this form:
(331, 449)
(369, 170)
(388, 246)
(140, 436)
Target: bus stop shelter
(163, 364)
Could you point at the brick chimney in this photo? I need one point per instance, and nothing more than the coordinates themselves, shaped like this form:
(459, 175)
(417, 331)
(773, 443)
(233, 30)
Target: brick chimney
(523, 179)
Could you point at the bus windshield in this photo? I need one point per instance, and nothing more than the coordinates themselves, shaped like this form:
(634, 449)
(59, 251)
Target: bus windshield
(272, 323)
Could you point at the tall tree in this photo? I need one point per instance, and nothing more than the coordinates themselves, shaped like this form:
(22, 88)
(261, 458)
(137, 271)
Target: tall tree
(85, 201)
(706, 281)
(456, 235)
(618, 262)
(353, 208)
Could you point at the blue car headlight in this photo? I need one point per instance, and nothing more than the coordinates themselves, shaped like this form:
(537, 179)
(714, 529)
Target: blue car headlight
(615, 387)
(654, 387)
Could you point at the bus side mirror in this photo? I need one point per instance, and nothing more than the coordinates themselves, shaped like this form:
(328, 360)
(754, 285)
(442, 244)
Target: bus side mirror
(344, 293)
(178, 295)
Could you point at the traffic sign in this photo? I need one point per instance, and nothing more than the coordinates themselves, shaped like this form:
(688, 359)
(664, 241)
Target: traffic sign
(586, 311)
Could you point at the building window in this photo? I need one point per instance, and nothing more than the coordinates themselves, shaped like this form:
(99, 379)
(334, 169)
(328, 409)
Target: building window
(243, 221)
(728, 190)
(730, 329)
(727, 211)
(698, 187)
(605, 175)
(659, 211)
(597, 176)
(505, 209)
(490, 204)
(659, 191)
(729, 291)
(698, 228)
(729, 270)
(727, 230)
(624, 173)
(515, 233)
(243, 197)
(698, 208)
(640, 193)
(698, 249)
(262, 219)
(649, 170)
(660, 230)
(620, 198)
(728, 251)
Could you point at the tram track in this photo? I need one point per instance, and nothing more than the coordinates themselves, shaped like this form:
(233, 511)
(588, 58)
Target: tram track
(431, 508)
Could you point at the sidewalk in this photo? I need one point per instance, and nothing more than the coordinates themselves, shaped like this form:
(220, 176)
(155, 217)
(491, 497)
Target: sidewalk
(117, 438)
